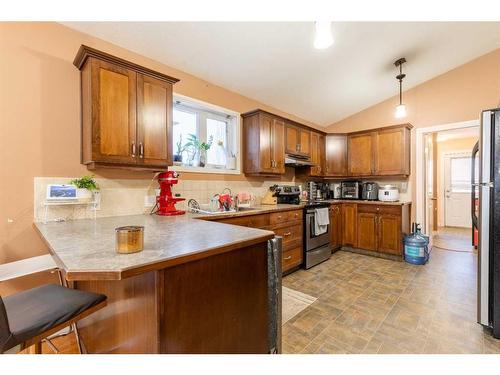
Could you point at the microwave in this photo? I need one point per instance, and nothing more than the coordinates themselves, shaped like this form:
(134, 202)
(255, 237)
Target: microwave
(350, 189)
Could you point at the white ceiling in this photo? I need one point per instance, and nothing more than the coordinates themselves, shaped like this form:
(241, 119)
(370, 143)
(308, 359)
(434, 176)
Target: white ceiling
(275, 62)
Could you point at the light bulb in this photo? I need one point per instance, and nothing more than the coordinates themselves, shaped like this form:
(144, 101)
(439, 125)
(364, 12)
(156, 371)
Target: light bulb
(323, 36)
(400, 111)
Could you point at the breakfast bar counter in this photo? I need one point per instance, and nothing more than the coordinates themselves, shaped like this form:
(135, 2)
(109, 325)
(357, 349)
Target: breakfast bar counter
(197, 287)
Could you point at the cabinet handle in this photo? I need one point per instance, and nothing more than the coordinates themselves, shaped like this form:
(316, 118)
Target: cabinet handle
(133, 149)
(287, 234)
(288, 257)
(141, 150)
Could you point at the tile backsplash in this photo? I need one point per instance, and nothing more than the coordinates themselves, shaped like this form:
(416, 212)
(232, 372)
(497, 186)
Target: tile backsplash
(128, 197)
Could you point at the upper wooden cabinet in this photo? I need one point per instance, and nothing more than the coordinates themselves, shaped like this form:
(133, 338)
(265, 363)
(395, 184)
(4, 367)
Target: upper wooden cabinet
(126, 112)
(298, 140)
(380, 152)
(336, 155)
(391, 148)
(360, 157)
(264, 143)
(317, 154)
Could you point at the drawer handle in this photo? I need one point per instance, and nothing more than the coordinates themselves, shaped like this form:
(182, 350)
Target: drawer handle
(287, 234)
(288, 257)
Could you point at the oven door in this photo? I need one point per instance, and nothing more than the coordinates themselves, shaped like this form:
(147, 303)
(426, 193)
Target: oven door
(313, 241)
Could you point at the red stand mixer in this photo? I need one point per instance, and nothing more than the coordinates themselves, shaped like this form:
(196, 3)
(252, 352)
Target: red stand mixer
(166, 201)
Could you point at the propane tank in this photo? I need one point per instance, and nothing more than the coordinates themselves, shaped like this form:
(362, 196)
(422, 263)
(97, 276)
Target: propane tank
(416, 246)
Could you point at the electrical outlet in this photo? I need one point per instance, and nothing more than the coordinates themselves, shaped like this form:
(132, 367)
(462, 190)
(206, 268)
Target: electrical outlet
(97, 200)
(404, 186)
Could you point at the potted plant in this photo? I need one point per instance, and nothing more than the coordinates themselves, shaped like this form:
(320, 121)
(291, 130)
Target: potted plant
(179, 151)
(85, 187)
(198, 149)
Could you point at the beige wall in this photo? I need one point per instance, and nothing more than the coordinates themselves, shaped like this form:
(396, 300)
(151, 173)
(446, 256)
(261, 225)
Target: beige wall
(40, 122)
(448, 146)
(458, 95)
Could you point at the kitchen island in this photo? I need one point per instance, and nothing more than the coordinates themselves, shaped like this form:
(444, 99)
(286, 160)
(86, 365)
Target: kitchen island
(197, 287)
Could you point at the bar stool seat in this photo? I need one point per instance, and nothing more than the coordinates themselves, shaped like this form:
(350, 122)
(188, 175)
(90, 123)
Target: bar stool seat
(34, 314)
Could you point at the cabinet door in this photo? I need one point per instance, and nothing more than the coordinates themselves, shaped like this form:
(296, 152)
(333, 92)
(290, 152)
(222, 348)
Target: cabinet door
(367, 231)
(266, 141)
(389, 234)
(360, 157)
(292, 139)
(336, 155)
(278, 145)
(305, 142)
(113, 96)
(315, 154)
(349, 224)
(391, 152)
(335, 226)
(154, 116)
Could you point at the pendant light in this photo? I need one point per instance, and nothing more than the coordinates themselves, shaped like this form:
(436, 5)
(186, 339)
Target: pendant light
(401, 108)
(323, 35)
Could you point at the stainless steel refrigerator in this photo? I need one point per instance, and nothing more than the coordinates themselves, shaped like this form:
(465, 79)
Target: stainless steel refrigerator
(487, 220)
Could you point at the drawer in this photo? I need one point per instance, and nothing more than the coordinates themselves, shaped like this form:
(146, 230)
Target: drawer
(290, 233)
(379, 209)
(285, 216)
(291, 258)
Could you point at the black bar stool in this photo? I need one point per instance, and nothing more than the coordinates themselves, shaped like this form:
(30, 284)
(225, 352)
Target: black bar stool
(26, 318)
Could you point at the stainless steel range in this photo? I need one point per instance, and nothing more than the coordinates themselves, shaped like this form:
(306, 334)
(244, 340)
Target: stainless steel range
(316, 246)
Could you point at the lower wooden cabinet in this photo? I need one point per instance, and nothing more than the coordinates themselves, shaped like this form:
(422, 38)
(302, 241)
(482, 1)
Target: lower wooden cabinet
(349, 224)
(287, 224)
(336, 226)
(292, 258)
(389, 234)
(380, 228)
(367, 231)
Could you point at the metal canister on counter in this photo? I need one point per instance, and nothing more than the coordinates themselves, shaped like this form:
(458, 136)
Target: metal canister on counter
(129, 239)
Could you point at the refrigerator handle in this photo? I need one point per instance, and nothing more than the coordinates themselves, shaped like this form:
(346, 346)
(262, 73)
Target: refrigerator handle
(475, 151)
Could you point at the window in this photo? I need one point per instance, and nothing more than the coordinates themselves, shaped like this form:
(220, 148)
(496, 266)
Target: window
(206, 138)
(460, 174)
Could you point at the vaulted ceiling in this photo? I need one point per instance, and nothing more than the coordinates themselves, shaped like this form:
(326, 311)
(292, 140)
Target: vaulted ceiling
(275, 62)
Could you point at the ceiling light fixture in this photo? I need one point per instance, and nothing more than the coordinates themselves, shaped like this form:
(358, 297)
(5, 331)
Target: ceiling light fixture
(323, 36)
(401, 108)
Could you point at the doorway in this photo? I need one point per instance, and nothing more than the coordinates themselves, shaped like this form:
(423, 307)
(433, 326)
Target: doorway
(447, 187)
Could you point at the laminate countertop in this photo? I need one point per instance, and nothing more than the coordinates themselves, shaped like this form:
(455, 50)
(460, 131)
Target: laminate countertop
(85, 249)
(264, 209)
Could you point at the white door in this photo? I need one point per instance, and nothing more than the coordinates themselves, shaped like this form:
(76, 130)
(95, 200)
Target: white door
(457, 184)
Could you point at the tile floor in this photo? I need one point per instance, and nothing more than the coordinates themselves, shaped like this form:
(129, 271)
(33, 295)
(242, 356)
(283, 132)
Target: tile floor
(371, 305)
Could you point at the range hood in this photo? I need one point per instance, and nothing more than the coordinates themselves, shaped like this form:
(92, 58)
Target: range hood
(298, 161)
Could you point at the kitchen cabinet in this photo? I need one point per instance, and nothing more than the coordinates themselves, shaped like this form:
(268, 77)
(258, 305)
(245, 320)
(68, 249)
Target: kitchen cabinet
(336, 226)
(391, 151)
(126, 112)
(367, 230)
(154, 111)
(380, 152)
(336, 155)
(380, 228)
(298, 140)
(264, 143)
(389, 234)
(317, 154)
(360, 154)
(287, 224)
(349, 224)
